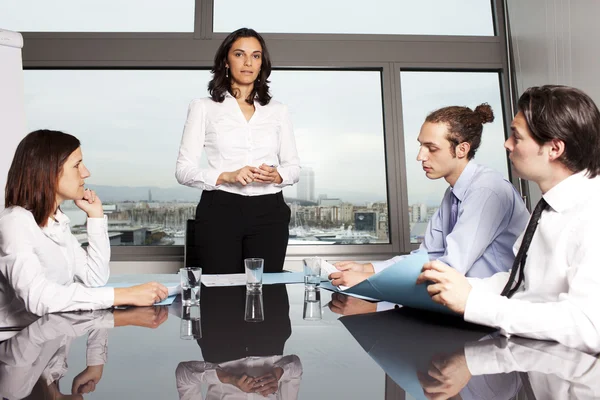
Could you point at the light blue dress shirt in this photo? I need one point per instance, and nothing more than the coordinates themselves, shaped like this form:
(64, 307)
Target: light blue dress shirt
(491, 216)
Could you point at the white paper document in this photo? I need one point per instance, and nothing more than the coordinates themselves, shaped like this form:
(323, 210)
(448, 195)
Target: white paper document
(330, 269)
(224, 280)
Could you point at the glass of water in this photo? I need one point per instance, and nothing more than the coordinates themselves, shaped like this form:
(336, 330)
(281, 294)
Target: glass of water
(312, 272)
(254, 272)
(190, 278)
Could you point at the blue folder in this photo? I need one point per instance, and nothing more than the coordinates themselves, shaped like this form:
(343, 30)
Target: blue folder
(397, 284)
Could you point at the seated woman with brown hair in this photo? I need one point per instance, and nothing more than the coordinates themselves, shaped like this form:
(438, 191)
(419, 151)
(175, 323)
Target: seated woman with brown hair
(43, 268)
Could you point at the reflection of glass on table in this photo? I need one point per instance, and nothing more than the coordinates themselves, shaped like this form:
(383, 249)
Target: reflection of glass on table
(312, 304)
(254, 307)
(190, 326)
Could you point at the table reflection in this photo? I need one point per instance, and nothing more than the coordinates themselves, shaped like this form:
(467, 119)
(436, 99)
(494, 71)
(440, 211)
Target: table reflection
(34, 360)
(242, 359)
(431, 356)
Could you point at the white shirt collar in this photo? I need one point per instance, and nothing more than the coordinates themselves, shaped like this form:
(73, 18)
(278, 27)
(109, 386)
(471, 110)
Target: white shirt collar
(58, 228)
(229, 95)
(570, 192)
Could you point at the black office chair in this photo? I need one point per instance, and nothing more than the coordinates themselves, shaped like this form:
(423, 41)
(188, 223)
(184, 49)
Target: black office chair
(189, 249)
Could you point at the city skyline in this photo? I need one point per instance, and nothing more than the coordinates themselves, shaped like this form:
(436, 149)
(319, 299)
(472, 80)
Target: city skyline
(138, 145)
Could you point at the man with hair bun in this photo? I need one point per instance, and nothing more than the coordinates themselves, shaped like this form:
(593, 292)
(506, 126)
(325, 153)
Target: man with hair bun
(481, 214)
(553, 289)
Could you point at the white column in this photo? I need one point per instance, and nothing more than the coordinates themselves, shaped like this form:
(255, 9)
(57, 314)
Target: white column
(12, 102)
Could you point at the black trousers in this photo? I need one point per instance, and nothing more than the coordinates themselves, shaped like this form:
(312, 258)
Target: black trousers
(230, 227)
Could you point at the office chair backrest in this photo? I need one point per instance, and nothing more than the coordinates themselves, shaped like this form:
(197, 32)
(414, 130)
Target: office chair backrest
(189, 249)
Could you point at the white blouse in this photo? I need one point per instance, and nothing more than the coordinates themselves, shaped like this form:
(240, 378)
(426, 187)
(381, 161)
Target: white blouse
(42, 348)
(45, 270)
(231, 143)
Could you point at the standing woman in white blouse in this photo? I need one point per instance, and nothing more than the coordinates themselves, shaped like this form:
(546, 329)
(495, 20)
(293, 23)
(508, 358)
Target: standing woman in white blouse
(43, 268)
(251, 152)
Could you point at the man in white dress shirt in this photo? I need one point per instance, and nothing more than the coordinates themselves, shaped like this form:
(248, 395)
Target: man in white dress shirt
(553, 290)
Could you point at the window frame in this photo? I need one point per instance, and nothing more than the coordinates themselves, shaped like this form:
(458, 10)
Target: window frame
(388, 53)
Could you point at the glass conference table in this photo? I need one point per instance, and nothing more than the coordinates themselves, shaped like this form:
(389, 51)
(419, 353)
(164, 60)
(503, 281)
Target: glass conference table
(395, 354)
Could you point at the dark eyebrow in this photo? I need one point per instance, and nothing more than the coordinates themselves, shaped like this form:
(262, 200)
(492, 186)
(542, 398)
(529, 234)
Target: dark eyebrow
(428, 144)
(255, 51)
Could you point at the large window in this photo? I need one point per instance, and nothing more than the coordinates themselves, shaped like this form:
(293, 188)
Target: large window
(341, 197)
(424, 92)
(130, 124)
(97, 15)
(120, 76)
(383, 17)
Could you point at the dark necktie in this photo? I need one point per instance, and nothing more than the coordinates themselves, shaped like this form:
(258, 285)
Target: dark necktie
(519, 264)
(453, 211)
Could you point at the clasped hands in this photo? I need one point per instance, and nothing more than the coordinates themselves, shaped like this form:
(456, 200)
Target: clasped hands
(264, 385)
(245, 175)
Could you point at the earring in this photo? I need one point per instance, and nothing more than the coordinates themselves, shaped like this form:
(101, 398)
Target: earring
(226, 72)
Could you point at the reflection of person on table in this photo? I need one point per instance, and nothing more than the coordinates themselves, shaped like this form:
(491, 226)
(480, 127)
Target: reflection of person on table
(481, 214)
(347, 305)
(497, 367)
(35, 359)
(43, 268)
(242, 359)
(251, 154)
(271, 377)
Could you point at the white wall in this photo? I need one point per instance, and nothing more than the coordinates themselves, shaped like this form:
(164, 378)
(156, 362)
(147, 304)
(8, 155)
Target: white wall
(12, 103)
(556, 42)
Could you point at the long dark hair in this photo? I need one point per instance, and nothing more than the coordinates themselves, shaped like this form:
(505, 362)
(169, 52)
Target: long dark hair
(464, 124)
(221, 83)
(567, 114)
(33, 176)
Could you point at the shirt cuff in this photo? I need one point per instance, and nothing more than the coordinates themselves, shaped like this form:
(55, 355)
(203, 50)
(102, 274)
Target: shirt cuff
(480, 361)
(97, 226)
(384, 306)
(285, 179)
(483, 307)
(210, 376)
(107, 297)
(379, 266)
(211, 178)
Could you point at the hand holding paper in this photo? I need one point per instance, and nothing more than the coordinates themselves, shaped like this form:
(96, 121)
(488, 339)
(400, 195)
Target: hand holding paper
(398, 284)
(331, 269)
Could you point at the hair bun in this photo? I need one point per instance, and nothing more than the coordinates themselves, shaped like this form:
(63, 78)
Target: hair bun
(485, 113)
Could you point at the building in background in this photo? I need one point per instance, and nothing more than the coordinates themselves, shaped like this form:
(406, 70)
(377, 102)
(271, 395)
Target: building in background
(306, 184)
